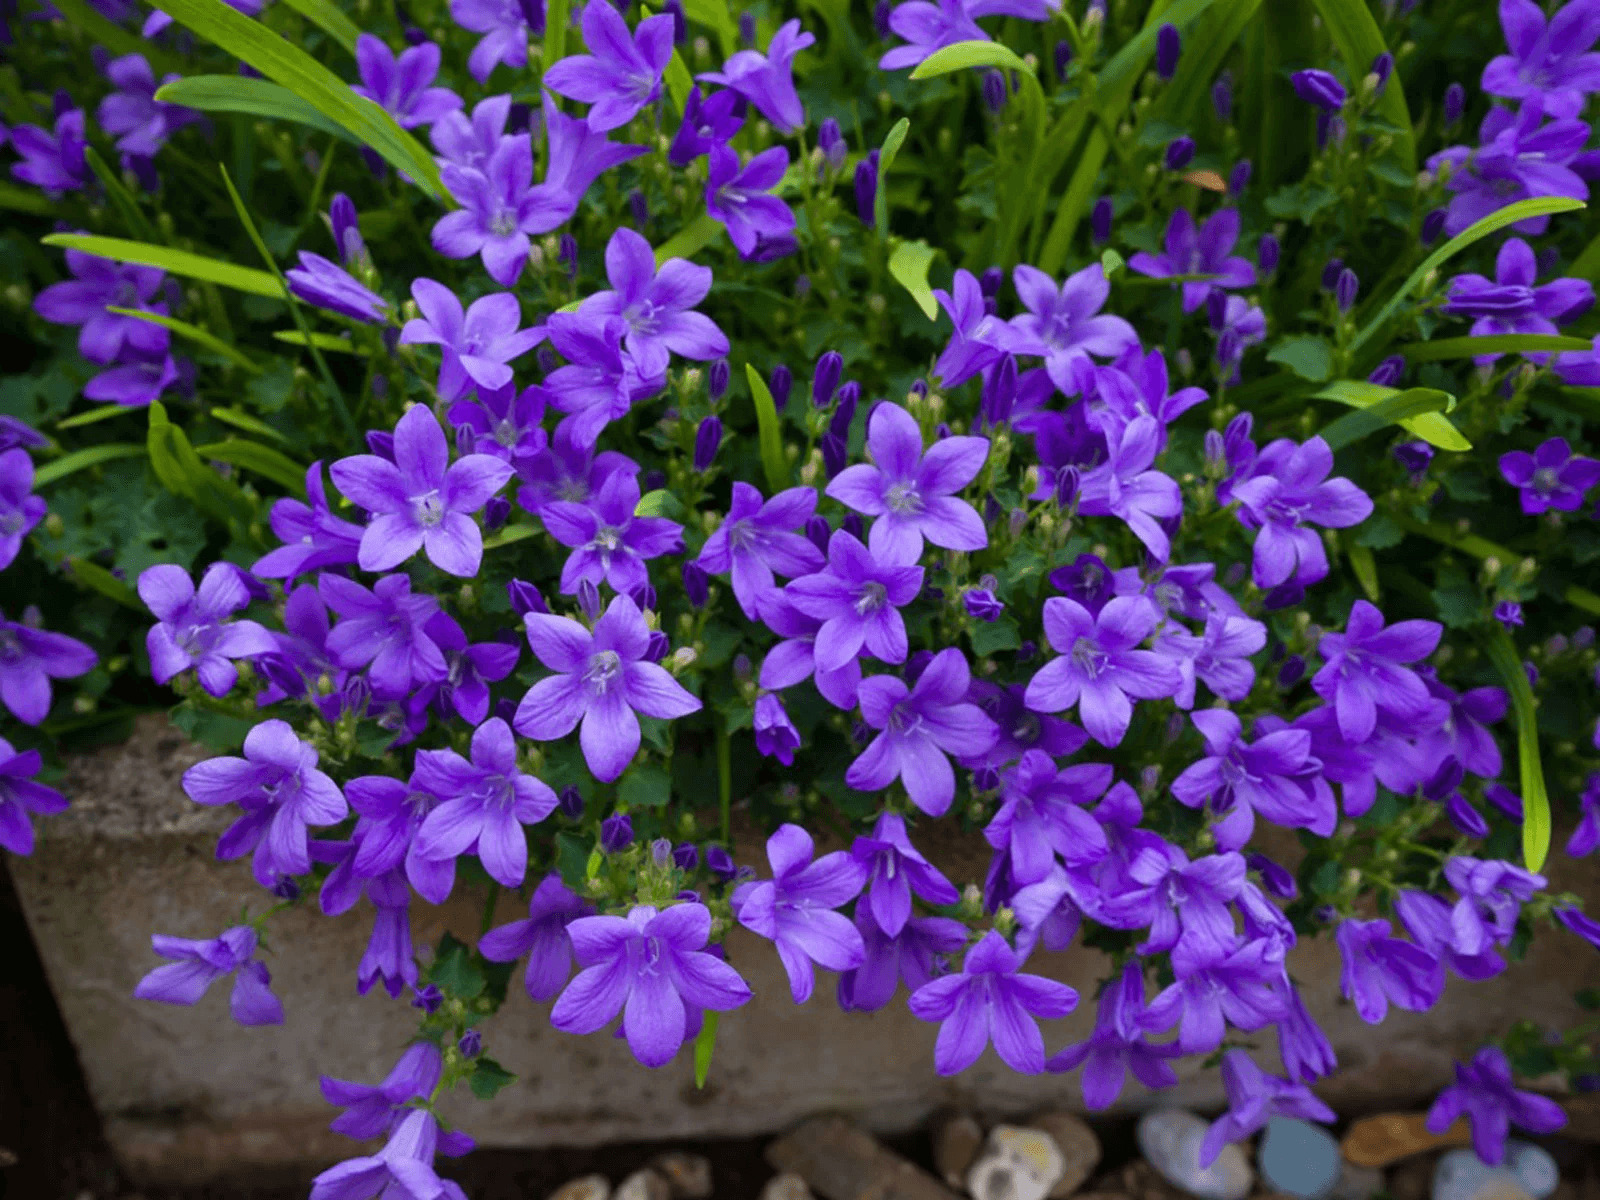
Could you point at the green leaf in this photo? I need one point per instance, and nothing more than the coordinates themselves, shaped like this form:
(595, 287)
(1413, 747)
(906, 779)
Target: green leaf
(1364, 566)
(1111, 262)
(93, 416)
(909, 263)
(21, 199)
(89, 456)
(329, 18)
(179, 262)
(1203, 56)
(1442, 349)
(488, 1078)
(714, 15)
(678, 80)
(1430, 426)
(1356, 34)
(98, 579)
(455, 970)
(263, 460)
(1535, 800)
(645, 786)
(659, 503)
(991, 636)
(183, 473)
(1407, 405)
(1510, 215)
(194, 333)
(251, 97)
(132, 215)
(244, 421)
(692, 238)
(557, 21)
(704, 1043)
(773, 463)
(303, 75)
(891, 146)
(322, 341)
(964, 55)
(1307, 356)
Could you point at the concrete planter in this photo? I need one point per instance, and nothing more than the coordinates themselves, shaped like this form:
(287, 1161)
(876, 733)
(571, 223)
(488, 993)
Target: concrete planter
(185, 1093)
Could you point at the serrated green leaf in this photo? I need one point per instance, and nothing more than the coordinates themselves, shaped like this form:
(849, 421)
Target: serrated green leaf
(329, 18)
(251, 97)
(1431, 427)
(892, 142)
(1535, 800)
(200, 337)
(79, 460)
(1308, 356)
(1443, 349)
(909, 263)
(178, 262)
(772, 460)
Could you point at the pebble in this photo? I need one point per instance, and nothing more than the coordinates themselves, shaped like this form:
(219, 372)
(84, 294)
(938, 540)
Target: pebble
(1535, 1170)
(687, 1175)
(1170, 1140)
(585, 1187)
(1016, 1164)
(1390, 1137)
(1462, 1175)
(1357, 1183)
(1298, 1158)
(841, 1161)
(957, 1138)
(1080, 1150)
(787, 1186)
(643, 1185)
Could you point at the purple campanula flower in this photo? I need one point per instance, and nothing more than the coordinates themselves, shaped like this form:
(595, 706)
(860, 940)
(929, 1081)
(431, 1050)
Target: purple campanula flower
(21, 795)
(982, 604)
(312, 536)
(282, 793)
(373, 1110)
(601, 382)
(795, 908)
(1413, 456)
(1179, 153)
(648, 965)
(399, 86)
(401, 1170)
(1117, 1046)
(707, 438)
(911, 495)
(1430, 922)
(1098, 667)
(1021, 729)
(1586, 834)
(1064, 325)
(505, 29)
(622, 72)
(1345, 289)
(616, 833)
(918, 727)
(197, 965)
(421, 501)
(825, 379)
(1492, 895)
(990, 999)
(52, 159)
(930, 26)
(1216, 986)
(608, 542)
(20, 509)
(1576, 921)
(1238, 325)
(477, 343)
(29, 659)
(1169, 45)
(767, 80)
(14, 433)
(1464, 736)
(327, 285)
(1485, 1094)
(191, 630)
(656, 304)
(710, 122)
(504, 422)
(741, 198)
(776, 736)
(140, 123)
(488, 803)
(470, 142)
(1177, 898)
(1519, 156)
(1550, 60)
(1302, 1046)
(1319, 89)
(1041, 815)
(1254, 1097)
(600, 679)
(97, 284)
(390, 813)
(542, 936)
(757, 539)
(384, 627)
(1364, 671)
(916, 954)
(1551, 477)
(896, 869)
(1202, 252)
(858, 599)
(1288, 488)
(1126, 485)
(1380, 969)
(866, 189)
(979, 339)
(1511, 303)
(1219, 657)
(793, 659)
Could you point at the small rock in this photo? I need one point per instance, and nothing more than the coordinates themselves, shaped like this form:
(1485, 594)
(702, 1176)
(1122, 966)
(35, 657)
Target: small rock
(1080, 1150)
(1170, 1139)
(787, 1186)
(957, 1137)
(1462, 1175)
(1535, 1170)
(643, 1185)
(1390, 1137)
(840, 1161)
(687, 1175)
(1412, 1178)
(1016, 1164)
(585, 1187)
(1298, 1158)
(1357, 1183)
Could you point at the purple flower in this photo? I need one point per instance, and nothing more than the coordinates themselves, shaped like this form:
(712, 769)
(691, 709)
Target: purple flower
(706, 123)
(918, 727)
(542, 936)
(609, 544)
(1302, 1046)
(197, 965)
(1465, 735)
(600, 679)
(52, 159)
(312, 536)
(282, 793)
(1485, 1094)
(1364, 670)
(991, 1000)
(85, 300)
(402, 1170)
(917, 954)
(1020, 728)
(504, 422)
(794, 909)
(21, 795)
(20, 510)
(1254, 1097)
(982, 604)
(505, 29)
(386, 628)
(1219, 657)
(1117, 1046)
(740, 197)
(372, 1111)
(140, 123)
(1178, 898)
(469, 142)
(757, 539)
(1126, 486)
(932, 26)
(191, 630)
(656, 304)
(477, 344)
(911, 494)
(421, 501)
(326, 284)
(896, 869)
(1586, 834)
(1492, 895)
(1041, 816)
(29, 659)
(1098, 668)
(648, 965)
(400, 86)
(1217, 986)
(775, 733)
(1511, 303)
(1551, 477)
(1379, 969)
(1238, 325)
(1319, 89)
(1518, 157)
(1063, 325)
(621, 74)
(980, 338)
(793, 659)
(767, 80)
(858, 599)
(1287, 490)
(1548, 60)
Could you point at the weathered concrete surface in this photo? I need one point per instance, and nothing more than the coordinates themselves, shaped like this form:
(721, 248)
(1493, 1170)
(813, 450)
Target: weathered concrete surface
(186, 1092)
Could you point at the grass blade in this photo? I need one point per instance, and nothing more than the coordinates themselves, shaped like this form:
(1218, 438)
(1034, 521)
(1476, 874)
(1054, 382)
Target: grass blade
(1535, 800)
(773, 463)
(178, 262)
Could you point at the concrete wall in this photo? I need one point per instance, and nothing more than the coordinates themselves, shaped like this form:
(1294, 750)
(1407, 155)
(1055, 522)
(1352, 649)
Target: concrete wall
(186, 1092)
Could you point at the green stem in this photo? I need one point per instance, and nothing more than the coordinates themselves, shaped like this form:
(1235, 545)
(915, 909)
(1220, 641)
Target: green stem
(1469, 543)
(488, 908)
(725, 779)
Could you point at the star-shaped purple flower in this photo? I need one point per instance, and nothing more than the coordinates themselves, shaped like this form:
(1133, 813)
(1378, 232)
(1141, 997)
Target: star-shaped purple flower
(312, 536)
(656, 304)
(757, 540)
(477, 343)
(1512, 303)
(767, 80)
(22, 796)
(1254, 1097)
(84, 300)
(1064, 325)
(1289, 490)
(29, 659)
(621, 74)
(197, 965)
(20, 509)
(1551, 477)
(1485, 1094)
(1549, 59)
(609, 543)
(542, 936)
(1380, 969)
(1117, 1046)
(1240, 779)
(386, 628)
(1364, 671)
(192, 630)
(741, 197)
(1199, 252)
(399, 86)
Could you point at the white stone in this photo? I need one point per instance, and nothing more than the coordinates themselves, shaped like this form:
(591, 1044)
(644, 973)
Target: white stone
(1462, 1175)
(786, 1186)
(585, 1187)
(1535, 1170)
(1170, 1139)
(1016, 1164)
(642, 1185)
